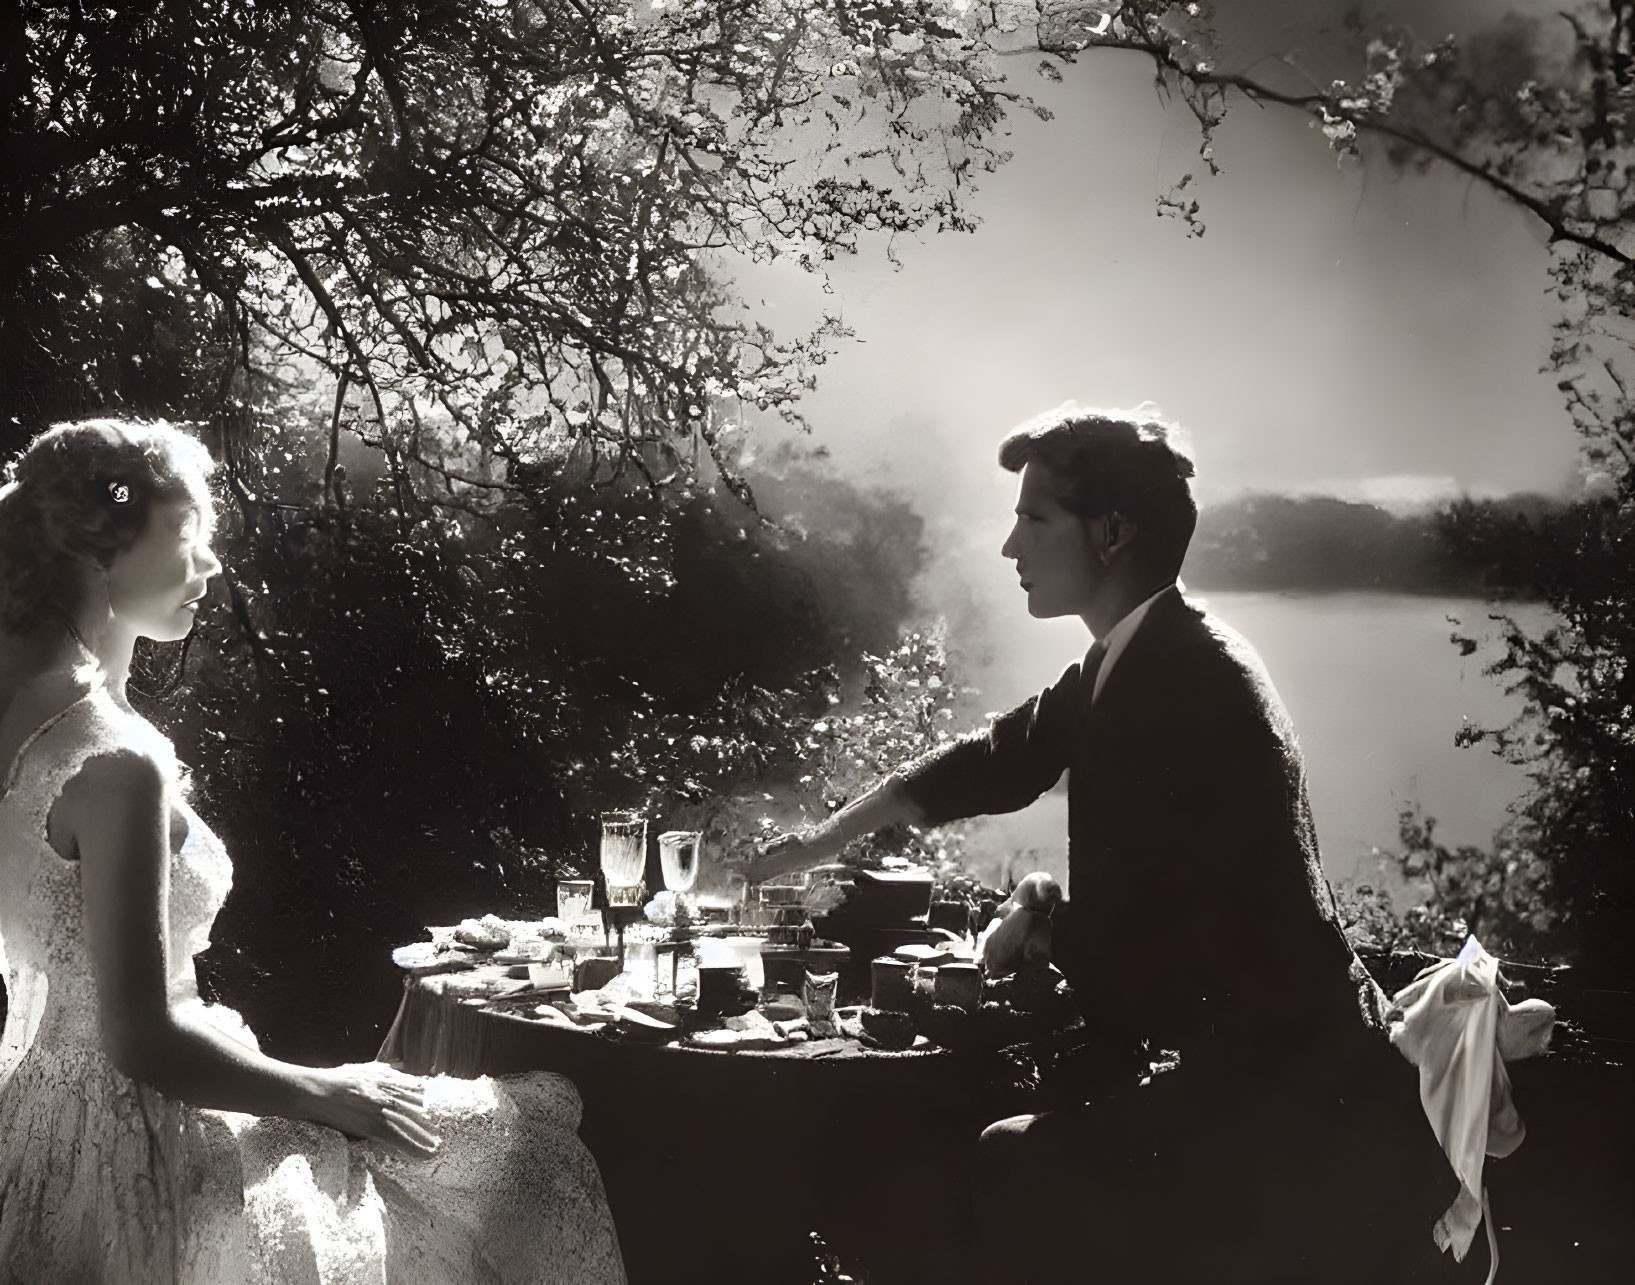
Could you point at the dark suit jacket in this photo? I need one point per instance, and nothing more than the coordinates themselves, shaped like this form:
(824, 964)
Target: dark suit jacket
(1199, 917)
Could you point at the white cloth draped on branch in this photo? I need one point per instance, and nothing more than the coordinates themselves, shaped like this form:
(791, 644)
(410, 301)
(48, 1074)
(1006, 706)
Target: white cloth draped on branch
(1455, 1025)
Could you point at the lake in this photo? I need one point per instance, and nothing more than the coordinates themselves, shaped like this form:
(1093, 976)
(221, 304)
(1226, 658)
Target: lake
(1377, 693)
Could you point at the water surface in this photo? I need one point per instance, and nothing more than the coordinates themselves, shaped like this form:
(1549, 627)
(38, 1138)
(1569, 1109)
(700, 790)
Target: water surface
(1377, 692)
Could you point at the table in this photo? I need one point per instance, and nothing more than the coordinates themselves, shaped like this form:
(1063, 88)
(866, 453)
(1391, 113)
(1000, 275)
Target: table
(721, 1164)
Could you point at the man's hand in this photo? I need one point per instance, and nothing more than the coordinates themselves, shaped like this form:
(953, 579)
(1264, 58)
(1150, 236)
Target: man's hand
(885, 805)
(830, 889)
(1020, 932)
(786, 853)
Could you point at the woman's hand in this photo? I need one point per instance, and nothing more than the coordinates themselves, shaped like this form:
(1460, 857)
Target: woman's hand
(373, 1100)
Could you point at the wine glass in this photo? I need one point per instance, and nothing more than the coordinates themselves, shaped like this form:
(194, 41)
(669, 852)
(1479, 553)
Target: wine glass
(624, 856)
(679, 852)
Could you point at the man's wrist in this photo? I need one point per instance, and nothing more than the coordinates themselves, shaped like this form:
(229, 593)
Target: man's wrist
(828, 834)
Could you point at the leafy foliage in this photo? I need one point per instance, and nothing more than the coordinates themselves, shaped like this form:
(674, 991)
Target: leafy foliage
(397, 723)
(1553, 132)
(478, 236)
(1502, 895)
(1465, 547)
(907, 709)
(442, 280)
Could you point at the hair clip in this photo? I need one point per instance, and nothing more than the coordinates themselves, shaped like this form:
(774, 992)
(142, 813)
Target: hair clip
(119, 492)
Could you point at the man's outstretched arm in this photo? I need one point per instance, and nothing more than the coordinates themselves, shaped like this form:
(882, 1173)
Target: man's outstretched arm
(1020, 756)
(888, 803)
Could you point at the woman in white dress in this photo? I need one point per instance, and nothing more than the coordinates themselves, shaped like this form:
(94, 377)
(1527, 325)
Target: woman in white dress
(143, 1136)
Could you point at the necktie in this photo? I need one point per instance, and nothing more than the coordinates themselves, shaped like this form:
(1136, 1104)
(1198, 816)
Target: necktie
(1093, 661)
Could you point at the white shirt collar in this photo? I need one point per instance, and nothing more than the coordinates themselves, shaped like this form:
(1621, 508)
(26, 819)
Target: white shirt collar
(1118, 638)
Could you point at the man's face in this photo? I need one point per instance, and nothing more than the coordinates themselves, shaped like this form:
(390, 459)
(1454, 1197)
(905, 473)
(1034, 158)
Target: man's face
(1054, 550)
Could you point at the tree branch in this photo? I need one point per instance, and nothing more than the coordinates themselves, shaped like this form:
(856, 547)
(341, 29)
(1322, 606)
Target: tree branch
(1324, 107)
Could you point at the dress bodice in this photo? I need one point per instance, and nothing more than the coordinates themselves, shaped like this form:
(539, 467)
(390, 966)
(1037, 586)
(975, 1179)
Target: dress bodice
(48, 963)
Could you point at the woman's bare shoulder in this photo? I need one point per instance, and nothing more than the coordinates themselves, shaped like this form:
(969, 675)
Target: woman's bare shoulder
(119, 770)
(118, 789)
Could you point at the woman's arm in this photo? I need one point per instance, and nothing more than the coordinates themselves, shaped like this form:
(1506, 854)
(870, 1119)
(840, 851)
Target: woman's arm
(116, 814)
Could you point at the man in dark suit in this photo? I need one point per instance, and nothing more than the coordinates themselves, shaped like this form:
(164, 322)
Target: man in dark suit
(1286, 1142)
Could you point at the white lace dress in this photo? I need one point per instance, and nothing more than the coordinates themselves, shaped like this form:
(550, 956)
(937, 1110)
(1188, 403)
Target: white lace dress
(104, 1179)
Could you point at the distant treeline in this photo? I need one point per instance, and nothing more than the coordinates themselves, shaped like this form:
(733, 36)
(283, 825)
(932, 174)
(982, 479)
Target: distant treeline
(1493, 548)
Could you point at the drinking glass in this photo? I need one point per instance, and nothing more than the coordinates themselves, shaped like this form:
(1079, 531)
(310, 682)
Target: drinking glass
(624, 856)
(679, 852)
(573, 898)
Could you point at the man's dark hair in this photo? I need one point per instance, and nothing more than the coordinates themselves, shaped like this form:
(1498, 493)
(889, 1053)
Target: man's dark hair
(1112, 462)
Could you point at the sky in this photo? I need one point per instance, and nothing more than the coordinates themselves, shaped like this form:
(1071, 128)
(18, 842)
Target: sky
(1339, 328)
(1336, 328)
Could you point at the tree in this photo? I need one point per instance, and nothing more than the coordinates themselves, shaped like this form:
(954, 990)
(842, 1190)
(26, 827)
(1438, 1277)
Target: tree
(442, 280)
(477, 239)
(413, 728)
(475, 234)
(1543, 122)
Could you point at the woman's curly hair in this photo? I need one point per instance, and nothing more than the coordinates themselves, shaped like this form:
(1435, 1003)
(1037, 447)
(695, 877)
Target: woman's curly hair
(79, 495)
